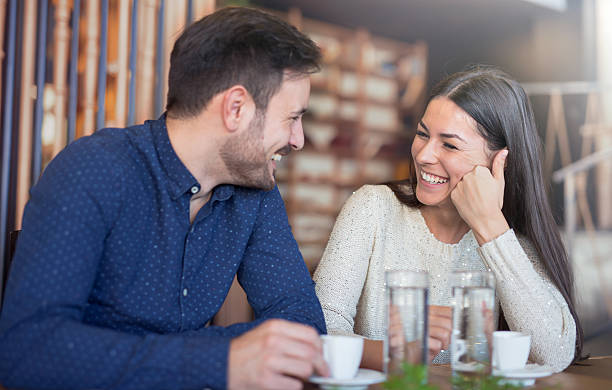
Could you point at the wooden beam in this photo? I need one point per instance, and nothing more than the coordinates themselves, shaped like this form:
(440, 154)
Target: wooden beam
(60, 66)
(556, 129)
(28, 94)
(145, 64)
(583, 164)
(122, 64)
(92, 52)
(174, 18)
(203, 8)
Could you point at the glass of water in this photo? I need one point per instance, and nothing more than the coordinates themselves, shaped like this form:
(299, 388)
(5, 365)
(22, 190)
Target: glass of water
(406, 313)
(473, 323)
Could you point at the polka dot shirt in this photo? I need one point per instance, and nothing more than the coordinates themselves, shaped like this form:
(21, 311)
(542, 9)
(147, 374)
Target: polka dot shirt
(112, 287)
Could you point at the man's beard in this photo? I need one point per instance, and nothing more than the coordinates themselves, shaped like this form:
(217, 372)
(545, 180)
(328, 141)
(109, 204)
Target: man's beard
(245, 157)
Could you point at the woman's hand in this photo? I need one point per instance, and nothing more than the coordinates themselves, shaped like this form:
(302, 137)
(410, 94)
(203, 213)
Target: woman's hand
(479, 198)
(440, 329)
(440, 320)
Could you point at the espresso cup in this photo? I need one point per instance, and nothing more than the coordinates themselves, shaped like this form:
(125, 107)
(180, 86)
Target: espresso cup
(342, 354)
(510, 350)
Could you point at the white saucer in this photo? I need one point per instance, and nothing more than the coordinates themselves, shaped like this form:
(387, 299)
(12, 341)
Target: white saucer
(524, 376)
(363, 378)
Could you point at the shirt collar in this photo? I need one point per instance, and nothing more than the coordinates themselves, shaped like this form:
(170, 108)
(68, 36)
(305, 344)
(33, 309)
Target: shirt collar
(222, 192)
(181, 180)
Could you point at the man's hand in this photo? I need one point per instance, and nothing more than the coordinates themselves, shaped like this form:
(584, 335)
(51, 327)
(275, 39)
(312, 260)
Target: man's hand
(277, 354)
(479, 198)
(440, 329)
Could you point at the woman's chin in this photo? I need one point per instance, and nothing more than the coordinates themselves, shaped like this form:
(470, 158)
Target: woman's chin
(432, 200)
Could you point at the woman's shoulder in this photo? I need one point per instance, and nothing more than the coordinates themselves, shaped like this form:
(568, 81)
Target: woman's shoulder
(525, 243)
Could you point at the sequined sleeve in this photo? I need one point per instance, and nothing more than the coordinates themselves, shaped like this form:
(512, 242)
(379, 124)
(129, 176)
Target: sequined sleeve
(530, 301)
(341, 273)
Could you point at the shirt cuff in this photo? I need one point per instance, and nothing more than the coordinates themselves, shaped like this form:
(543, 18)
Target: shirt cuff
(498, 245)
(205, 362)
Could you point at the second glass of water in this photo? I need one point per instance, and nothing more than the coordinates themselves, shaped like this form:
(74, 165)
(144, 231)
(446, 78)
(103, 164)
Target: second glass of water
(406, 310)
(473, 323)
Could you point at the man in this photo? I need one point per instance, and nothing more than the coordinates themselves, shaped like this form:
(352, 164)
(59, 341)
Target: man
(132, 237)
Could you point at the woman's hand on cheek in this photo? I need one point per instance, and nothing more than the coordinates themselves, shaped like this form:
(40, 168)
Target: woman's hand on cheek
(479, 198)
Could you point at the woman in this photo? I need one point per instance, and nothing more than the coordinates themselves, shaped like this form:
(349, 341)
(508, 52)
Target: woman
(477, 202)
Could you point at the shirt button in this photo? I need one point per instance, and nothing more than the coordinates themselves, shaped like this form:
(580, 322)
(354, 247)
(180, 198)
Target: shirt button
(194, 189)
(184, 292)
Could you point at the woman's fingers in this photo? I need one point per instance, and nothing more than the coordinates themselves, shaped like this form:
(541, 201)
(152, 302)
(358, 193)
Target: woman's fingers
(440, 326)
(441, 336)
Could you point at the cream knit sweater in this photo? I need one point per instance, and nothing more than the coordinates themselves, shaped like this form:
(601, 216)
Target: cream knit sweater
(375, 232)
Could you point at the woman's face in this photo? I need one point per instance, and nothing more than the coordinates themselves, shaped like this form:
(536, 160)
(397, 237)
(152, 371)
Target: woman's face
(446, 147)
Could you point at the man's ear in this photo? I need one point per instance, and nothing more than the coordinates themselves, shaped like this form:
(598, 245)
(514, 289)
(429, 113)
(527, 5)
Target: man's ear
(237, 107)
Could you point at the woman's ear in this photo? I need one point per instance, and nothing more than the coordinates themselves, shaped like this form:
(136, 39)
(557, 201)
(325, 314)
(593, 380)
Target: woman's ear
(237, 107)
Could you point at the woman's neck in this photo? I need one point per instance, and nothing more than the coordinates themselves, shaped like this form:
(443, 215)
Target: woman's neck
(444, 223)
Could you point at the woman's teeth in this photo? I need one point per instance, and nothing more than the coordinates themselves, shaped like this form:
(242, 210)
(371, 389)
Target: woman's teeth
(277, 157)
(432, 179)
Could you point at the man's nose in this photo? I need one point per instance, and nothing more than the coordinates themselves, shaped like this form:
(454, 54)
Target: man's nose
(297, 137)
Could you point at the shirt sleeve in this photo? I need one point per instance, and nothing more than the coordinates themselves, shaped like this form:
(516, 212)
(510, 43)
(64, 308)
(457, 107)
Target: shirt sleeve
(530, 301)
(273, 273)
(44, 340)
(342, 271)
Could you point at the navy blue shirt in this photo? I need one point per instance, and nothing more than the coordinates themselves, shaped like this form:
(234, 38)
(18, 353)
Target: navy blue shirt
(112, 286)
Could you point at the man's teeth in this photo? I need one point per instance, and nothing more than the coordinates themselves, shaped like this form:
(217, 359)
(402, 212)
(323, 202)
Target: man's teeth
(432, 179)
(277, 157)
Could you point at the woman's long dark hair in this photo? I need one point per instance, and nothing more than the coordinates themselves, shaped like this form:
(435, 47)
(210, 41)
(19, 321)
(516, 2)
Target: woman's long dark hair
(505, 118)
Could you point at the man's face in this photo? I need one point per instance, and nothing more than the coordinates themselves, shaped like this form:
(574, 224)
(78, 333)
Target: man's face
(252, 154)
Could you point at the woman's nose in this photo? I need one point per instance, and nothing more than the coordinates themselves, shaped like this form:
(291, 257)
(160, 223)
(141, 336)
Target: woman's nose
(427, 153)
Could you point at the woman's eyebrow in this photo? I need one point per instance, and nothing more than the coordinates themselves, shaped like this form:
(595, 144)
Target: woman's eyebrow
(452, 135)
(443, 135)
(423, 125)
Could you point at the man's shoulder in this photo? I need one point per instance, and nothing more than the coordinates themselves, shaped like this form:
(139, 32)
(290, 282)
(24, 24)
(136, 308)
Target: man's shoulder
(113, 141)
(109, 146)
(250, 195)
(102, 155)
(258, 199)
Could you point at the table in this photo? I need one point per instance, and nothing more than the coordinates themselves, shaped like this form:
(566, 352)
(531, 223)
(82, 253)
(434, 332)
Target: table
(593, 374)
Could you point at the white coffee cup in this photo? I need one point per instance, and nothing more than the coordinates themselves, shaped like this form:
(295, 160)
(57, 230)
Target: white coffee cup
(510, 350)
(342, 354)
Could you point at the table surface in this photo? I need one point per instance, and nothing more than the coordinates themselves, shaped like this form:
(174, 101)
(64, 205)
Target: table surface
(594, 374)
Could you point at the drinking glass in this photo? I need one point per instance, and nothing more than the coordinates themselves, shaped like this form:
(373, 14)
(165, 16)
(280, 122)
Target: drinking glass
(406, 312)
(471, 340)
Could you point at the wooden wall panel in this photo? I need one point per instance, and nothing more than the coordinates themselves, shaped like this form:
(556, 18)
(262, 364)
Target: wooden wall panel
(202, 8)
(174, 21)
(90, 72)
(60, 66)
(28, 94)
(145, 68)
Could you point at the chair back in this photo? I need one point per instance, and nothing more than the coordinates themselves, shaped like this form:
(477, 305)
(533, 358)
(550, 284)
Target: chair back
(7, 262)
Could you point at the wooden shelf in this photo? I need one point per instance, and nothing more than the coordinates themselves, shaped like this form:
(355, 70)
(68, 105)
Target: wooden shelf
(351, 140)
(306, 208)
(335, 182)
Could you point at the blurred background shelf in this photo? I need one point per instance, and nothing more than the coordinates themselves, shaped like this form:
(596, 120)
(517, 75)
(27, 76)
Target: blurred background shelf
(362, 112)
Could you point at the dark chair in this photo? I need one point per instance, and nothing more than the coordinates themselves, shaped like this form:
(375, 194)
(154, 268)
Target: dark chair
(12, 244)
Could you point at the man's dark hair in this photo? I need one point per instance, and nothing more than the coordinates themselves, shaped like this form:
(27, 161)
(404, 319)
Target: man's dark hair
(235, 46)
